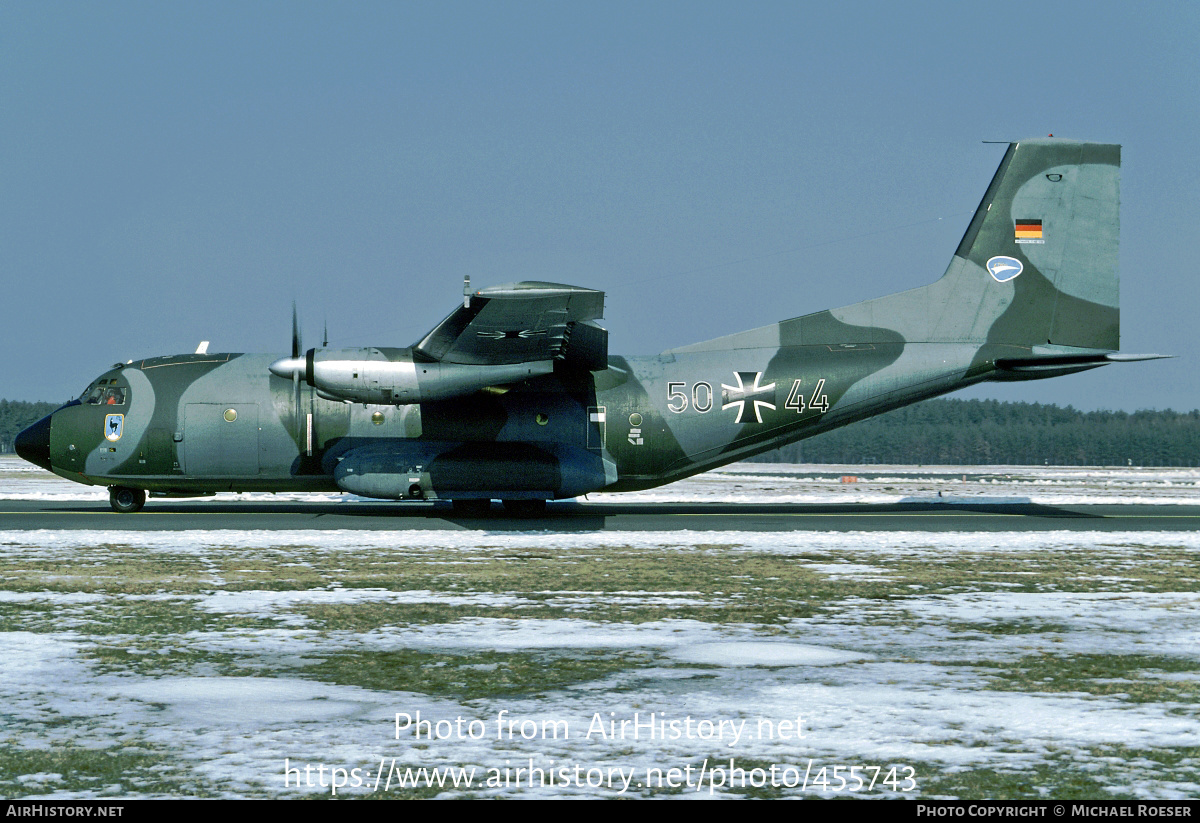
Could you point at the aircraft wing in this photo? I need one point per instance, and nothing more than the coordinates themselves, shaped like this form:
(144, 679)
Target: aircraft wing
(522, 323)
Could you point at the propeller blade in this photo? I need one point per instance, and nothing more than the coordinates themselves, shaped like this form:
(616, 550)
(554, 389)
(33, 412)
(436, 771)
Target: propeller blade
(296, 349)
(295, 332)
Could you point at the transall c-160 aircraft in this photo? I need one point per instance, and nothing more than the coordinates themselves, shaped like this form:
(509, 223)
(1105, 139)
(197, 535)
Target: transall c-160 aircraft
(515, 397)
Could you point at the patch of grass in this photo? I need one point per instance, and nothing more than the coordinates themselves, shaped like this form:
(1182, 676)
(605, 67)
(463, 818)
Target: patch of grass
(741, 588)
(471, 676)
(237, 575)
(1090, 570)
(1010, 628)
(1111, 772)
(1131, 676)
(99, 772)
(1041, 782)
(30, 616)
(111, 570)
(408, 793)
(166, 617)
(169, 656)
(121, 616)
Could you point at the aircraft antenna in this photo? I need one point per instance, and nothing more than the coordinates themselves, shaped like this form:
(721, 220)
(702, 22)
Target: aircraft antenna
(466, 291)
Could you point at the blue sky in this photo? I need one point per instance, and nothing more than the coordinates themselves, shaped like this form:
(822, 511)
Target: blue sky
(171, 172)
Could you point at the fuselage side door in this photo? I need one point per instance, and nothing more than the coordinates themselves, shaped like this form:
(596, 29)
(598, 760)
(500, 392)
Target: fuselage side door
(221, 440)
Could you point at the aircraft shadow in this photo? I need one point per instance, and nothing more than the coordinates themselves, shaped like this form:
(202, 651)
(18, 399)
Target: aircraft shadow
(840, 509)
(577, 516)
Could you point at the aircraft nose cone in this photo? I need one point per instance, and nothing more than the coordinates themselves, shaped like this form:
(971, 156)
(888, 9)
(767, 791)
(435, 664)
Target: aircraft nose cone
(33, 444)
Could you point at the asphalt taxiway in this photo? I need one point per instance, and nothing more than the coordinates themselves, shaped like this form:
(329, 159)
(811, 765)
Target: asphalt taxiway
(585, 516)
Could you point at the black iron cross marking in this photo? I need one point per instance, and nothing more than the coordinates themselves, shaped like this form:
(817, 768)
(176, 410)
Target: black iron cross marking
(739, 395)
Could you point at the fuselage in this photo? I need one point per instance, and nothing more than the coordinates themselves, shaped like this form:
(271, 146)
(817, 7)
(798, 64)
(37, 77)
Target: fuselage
(195, 424)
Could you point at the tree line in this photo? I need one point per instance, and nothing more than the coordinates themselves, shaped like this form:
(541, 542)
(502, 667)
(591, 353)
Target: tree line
(991, 432)
(16, 415)
(948, 431)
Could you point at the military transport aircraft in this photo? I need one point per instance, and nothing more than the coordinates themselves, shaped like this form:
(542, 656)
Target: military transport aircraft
(515, 397)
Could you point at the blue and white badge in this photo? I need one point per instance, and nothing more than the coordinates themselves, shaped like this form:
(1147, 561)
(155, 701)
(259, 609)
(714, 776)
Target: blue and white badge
(1004, 269)
(114, 426)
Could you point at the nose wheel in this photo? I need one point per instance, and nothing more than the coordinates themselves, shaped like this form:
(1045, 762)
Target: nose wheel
(126, 500)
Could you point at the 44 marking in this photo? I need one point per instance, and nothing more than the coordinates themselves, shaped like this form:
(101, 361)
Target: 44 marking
(818, 401)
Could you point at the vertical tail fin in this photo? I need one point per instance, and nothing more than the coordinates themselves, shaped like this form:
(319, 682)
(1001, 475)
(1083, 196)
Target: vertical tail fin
(1037, 266)
(1048, 225)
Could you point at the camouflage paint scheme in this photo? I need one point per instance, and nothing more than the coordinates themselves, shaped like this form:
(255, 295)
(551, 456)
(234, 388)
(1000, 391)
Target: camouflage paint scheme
(202, 423)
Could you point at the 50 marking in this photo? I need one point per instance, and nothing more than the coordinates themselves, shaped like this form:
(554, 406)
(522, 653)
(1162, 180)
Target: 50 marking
(702, 397)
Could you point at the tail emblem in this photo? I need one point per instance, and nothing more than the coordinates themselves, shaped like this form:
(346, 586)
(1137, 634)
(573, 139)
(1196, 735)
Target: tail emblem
(1004, 269)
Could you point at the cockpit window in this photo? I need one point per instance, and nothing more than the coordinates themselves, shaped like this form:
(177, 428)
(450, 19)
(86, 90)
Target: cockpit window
(106, 396)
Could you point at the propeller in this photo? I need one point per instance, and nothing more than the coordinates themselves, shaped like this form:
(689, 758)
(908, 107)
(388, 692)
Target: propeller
(293, 366)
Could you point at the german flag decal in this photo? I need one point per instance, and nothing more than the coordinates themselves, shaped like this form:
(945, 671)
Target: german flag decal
(1029, 230)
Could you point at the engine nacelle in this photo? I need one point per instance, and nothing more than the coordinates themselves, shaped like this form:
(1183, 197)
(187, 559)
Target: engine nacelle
(392, 377)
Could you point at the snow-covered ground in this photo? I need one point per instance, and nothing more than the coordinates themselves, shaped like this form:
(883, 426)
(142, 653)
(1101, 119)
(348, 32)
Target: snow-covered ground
(1049, 485)
(188, 658)
(787, 483)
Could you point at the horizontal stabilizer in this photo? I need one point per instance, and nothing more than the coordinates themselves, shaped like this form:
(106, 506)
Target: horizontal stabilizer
(1045, 361)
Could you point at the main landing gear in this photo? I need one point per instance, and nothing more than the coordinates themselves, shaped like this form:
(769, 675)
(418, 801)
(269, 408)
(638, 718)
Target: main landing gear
(126, 500)
(525, 508)
(514, 508)
(471, 507)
